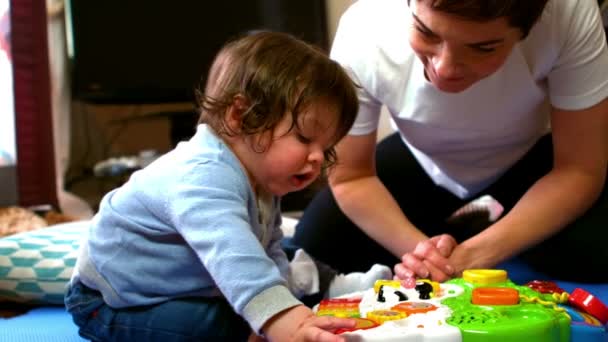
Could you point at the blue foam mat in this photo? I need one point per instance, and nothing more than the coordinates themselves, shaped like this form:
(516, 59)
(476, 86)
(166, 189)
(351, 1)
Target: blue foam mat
(520, 273)
(51, 323)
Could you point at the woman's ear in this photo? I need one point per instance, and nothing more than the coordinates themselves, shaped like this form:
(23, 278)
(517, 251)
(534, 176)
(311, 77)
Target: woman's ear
(235, 113)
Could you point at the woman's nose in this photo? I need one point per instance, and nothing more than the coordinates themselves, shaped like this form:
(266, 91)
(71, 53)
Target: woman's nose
(446, 63)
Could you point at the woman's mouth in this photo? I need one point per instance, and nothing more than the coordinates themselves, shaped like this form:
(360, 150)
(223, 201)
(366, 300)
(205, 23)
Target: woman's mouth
(448, 84)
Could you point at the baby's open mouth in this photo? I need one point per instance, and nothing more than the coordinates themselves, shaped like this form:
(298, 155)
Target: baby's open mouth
(301, 179)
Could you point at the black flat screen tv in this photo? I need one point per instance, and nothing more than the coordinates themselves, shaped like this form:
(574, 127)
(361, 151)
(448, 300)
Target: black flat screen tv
(153, 51)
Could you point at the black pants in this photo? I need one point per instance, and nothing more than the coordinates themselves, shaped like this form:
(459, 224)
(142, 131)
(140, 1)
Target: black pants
(577, 253)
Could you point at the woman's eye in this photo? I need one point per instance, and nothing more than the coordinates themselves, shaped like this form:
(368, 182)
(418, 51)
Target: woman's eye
(484, 49)
(424, 31)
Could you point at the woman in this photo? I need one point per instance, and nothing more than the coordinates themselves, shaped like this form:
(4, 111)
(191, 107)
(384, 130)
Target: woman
(504, 98)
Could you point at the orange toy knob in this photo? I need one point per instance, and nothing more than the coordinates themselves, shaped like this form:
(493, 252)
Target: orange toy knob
(411, 308)
(495, 296)
(362, 324)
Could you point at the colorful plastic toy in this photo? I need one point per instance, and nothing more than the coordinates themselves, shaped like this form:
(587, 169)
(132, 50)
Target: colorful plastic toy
(585, 327)
(588, 303)
(484, 305)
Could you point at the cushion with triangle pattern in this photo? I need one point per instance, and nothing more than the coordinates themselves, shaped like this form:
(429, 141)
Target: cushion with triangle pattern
(35, 266)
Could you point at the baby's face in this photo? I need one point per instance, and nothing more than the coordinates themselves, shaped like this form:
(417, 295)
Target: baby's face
(294, 157)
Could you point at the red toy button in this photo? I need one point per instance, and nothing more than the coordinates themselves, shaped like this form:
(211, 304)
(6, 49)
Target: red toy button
(588, 303)
(544, 286)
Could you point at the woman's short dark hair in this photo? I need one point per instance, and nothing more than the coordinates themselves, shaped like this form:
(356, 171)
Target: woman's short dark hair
(522, 14)
(276, 74)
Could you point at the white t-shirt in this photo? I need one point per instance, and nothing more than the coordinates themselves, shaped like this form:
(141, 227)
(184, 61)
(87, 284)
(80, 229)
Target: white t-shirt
(465, 141)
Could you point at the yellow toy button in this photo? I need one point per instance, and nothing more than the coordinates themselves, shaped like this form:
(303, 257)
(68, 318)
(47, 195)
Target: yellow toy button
(381, 316)
(484, 276)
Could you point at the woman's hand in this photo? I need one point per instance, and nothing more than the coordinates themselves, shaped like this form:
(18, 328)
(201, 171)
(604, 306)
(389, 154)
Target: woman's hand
(468, 255)
(429, 259)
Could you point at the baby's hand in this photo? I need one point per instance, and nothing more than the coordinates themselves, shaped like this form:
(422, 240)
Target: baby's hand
(428, 260)
(301, 324)
(320, 329)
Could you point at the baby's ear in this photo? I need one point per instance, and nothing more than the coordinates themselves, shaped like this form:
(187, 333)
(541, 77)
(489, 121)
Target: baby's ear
(235, 112)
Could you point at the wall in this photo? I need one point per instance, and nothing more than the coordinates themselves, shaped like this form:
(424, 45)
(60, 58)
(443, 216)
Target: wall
(108, 131)
(69, 203)
(86, 134)
(335, 8)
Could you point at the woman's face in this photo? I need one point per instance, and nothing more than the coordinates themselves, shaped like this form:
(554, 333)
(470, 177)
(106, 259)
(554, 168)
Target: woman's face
(457, 52)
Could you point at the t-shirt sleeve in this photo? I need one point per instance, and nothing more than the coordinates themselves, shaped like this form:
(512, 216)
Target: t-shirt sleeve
(353, 48)
(579, 78)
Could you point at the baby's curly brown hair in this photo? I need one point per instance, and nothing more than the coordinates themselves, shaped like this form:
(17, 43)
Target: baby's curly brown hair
(276, 74)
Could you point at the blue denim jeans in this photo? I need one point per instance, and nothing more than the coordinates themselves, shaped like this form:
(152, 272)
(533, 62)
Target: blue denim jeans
(183, 319)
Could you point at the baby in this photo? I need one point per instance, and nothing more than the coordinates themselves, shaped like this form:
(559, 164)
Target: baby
(190, 247)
